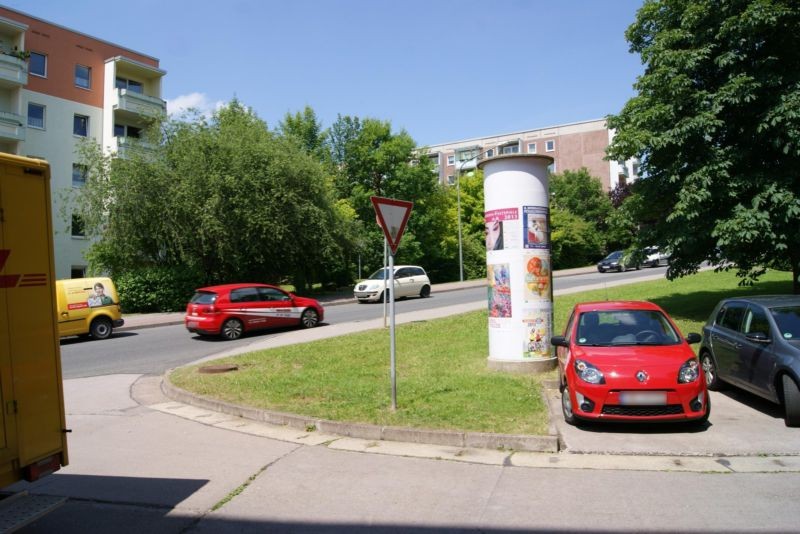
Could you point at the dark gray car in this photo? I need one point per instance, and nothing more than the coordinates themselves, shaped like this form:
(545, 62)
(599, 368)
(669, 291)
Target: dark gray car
(754, 343)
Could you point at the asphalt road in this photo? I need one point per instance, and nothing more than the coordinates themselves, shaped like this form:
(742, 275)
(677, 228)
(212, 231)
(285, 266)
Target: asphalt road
(155, 350)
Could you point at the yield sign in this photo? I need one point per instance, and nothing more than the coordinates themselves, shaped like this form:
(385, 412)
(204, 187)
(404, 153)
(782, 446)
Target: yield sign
(392, 215)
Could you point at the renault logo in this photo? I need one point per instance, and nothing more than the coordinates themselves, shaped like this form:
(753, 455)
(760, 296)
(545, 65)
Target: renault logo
(641, 376)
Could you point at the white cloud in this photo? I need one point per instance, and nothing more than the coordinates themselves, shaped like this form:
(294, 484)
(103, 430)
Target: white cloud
(198, 101)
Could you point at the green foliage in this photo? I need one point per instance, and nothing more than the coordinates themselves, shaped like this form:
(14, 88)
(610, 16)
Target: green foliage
(574, 241)
(716, 125)
(226, 198)
(582, 194)
(156, 289)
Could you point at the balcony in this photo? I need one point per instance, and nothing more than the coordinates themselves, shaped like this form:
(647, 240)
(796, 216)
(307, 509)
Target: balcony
(132, 106)
(127, 147)
(12, 126)
(13, 71)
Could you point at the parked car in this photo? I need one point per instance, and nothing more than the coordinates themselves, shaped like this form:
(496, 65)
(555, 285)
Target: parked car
(754, 343)
(655, 257)
(409, 281)
(617, 261)
(231, 310)
(627, 361)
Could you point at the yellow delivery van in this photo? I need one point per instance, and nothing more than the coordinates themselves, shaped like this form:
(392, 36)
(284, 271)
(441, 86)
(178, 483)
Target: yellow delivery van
(88, 306)
(32, 424)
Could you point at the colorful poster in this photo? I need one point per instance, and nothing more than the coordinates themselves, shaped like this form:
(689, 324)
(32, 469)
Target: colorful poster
(499, 290)
(501, 235)
(536, 227)
(537, 333)
(537, 276)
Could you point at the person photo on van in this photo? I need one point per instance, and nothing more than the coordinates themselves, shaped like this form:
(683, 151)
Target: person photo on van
(99, 297)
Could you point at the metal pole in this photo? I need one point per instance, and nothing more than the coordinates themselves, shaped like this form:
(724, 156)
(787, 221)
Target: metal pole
(391, 336)
(458, 202)
(385, 255)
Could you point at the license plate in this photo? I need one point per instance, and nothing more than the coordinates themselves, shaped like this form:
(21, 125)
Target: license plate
(192, 324)
(643, 398)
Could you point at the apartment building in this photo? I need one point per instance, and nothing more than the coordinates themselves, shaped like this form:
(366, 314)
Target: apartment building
(572, 146)
(59, 86)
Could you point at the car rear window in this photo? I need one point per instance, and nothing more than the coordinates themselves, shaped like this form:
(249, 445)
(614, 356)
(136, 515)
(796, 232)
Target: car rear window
(204, 297)
(788, 320)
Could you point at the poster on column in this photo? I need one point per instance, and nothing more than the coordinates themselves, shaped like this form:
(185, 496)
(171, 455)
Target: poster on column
(537, 276)
(536, 227)
(537, 321)
(502, 235)
(499, 290)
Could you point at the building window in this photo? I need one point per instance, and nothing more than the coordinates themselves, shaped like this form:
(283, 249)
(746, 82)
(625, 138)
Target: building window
(131, 85)
(77, 228)
(451, 179)
(550, 145)
(83, 76)
(123, 130)
(451, 160)
(35, 115)
(511, 149)
(77, 271)
(467, 155)
(490, 153)
(552, 168)
(80, 125)
(37, 64)
(78, 175)
(531, 148)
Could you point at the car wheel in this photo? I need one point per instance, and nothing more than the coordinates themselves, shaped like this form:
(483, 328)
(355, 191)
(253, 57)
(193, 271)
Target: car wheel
(791, 401)
(309, 318)
(620, 269)
(710, 370)
(566, 406)
(638, 267)
(385, 296)
(232, 329)
(425, 292)
(101, 328)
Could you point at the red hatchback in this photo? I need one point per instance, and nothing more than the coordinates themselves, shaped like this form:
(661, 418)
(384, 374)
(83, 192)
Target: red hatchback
(233, 309)
(627, 361)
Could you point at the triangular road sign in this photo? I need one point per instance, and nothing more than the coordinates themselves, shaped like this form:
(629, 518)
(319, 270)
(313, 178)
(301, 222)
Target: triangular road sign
(392, 215)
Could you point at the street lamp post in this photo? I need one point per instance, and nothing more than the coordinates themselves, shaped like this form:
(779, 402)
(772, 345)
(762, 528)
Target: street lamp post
(458, 204)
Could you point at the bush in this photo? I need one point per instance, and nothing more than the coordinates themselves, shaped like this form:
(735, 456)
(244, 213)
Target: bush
(156, 289)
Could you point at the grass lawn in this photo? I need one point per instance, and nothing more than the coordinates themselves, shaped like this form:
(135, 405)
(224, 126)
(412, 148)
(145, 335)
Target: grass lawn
(442, 376)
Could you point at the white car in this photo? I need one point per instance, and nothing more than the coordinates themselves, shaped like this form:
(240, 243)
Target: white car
(409, 281)
(655, 257)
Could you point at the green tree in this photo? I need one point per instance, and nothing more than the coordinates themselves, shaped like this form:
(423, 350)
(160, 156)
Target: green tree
(225, 199)
(582, 194)
(574, 241)
(305, 128)
(716, 126)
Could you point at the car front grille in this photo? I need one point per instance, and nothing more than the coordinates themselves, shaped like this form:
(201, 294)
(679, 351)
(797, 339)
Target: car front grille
(642, 411)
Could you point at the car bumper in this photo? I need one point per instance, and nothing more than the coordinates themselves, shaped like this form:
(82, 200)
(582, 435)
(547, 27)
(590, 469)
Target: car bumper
(685, 402)
(118, 322)
(368, 296)
(202, 325)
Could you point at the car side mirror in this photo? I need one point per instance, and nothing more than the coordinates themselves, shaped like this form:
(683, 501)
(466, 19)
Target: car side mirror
(758, 337)
(693, 337)
(559, 341)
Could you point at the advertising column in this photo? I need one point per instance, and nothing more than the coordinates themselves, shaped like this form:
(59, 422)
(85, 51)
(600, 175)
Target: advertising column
(518, 265)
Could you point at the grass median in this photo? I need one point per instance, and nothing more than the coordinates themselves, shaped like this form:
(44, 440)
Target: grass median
(442, 376)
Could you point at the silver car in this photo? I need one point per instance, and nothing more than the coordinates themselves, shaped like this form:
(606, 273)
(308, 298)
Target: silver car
(409, 281)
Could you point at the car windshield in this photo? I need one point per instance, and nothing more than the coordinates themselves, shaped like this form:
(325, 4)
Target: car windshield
(380, 274)
(614, 255)
(204, 297)
(788, 320)
(612, 328)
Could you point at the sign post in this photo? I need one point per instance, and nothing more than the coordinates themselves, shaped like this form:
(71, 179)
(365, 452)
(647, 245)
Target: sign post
(392, 216)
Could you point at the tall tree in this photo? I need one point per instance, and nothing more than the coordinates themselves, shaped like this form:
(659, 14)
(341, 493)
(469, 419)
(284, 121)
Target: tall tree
(716, 125)
(224, 198)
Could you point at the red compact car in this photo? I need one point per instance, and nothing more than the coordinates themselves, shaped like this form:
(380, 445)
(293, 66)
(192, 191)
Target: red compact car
(627, 361)
(233, 309)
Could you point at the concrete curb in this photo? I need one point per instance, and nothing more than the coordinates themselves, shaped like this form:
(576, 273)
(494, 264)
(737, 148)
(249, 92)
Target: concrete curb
(483, 440)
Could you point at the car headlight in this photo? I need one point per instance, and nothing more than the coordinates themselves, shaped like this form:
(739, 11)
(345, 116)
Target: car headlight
(589, 373)
(689, 372)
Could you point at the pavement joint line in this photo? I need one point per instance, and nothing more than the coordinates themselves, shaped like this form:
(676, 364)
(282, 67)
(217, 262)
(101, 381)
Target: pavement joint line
(503, 458)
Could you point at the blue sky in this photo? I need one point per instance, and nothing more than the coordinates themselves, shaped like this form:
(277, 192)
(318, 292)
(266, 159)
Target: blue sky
(443, 70)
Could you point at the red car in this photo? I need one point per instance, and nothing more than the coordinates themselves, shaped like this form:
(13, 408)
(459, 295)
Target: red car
(627, 361)
(231, 310)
